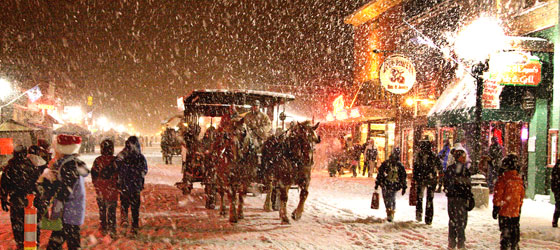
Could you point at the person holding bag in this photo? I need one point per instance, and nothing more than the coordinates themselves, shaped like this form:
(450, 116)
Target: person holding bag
(391, 177)
(104, 176)
(70, 198)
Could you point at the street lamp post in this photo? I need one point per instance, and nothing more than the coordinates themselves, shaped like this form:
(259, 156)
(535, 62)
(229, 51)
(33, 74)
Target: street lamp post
(477, 72)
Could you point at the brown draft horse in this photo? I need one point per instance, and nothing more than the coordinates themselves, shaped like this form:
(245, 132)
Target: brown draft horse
(234, 153)
(290, 163)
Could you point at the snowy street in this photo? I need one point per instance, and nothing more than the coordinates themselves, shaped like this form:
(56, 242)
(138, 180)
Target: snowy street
(337, 216)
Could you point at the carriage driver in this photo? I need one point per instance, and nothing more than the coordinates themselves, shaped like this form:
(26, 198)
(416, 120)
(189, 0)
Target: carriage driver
(258, 123)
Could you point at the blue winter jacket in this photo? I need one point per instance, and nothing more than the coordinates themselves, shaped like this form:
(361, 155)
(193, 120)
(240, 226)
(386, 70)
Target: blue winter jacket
(444, 155)
(72, 192)
(132, 168)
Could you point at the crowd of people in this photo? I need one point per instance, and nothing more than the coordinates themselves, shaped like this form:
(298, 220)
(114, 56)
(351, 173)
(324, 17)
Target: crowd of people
(58, 185)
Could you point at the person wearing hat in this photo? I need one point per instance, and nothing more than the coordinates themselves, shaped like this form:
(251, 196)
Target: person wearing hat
(508, 199)
(457, 186)
(18, 180)
(425, 174)
(391, 177)
(70, 197)
(104, 176)
(258, 123)
(555, 187)
(132, 168)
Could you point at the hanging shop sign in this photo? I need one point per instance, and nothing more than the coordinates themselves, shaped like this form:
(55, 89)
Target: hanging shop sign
(515, 68)
(491, 95)
(397, 74)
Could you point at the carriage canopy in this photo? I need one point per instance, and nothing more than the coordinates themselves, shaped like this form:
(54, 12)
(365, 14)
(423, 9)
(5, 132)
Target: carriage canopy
(216, 102)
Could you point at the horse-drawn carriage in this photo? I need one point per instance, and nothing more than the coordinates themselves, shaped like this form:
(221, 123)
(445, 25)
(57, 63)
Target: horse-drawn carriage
(216, 104)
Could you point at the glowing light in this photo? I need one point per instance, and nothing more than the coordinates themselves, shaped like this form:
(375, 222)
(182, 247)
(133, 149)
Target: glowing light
(524, 134)
(341, 115)
(410, 101)
(6, 88)
(330, 117)
(355, 113)
(338, 104)
(479, 39)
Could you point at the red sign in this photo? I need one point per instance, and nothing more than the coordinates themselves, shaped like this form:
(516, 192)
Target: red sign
(515, 68)
(6, 146)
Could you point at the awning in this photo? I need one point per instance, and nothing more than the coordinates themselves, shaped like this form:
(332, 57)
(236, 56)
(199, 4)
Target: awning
(456, 105)
(14, 126)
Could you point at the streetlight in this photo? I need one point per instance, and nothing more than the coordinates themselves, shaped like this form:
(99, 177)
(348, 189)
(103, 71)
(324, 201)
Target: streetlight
(475, 43)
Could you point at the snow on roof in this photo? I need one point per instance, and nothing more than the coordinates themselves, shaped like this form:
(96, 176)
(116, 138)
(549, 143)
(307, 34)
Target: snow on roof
(247, 91)
(460, 94)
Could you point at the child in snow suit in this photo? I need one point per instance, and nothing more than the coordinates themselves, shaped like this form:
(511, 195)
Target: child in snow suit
(508, 199)
(555, 187)
(391, 177)
(104, 176)
(457, 186)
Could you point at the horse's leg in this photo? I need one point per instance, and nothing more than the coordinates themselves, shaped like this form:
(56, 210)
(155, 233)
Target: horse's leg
(222, 202)
(283, 203)
(268, 202)
(232, 193)
(296, 215)
(276, 198)
(242, 193)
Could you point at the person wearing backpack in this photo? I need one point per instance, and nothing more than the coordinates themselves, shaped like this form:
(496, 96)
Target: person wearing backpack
(457, 187)
(104, 176)
(132, 167)
(391, 177)
(426, 165)
(69, 190)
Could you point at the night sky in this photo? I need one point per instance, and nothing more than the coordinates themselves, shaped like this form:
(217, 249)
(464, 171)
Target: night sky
(136, 57)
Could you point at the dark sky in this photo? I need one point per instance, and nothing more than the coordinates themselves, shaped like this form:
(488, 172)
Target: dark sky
(136, 57)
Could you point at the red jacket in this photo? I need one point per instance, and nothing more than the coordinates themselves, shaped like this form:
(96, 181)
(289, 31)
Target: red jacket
(104, 176)
(509, 193)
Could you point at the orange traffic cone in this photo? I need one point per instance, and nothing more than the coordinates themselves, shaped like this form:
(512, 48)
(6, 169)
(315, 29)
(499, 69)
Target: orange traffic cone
(30, 225)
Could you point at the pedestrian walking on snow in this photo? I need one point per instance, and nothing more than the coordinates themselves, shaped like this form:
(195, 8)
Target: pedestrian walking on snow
(555, 187)
(104, 176)
(457, 186)
(18, 180)
(70, 192)
(508, 199)
(425, 174)
(370, 159)
(444, 156)
(391, 177)
(132, 168)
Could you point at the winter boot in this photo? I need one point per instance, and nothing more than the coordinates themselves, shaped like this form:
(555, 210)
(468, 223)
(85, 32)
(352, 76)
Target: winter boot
(555, 219)
(390, 214)
(419, 217)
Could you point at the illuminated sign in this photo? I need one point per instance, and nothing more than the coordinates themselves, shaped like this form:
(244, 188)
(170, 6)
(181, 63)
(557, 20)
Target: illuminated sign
(515, 68)
(397, 74)
(338, 104)
(45, 106)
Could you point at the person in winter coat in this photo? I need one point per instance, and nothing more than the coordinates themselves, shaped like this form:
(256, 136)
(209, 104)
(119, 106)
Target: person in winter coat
(508, 199)
(425, 174)
(457, 186)
(370, 162)
(391, 177)
(132, 167)
(70, 198)
(34, 155)
(355, 154)
(555, 187)
(18, 180)
(496, 155)
(104, 176)
(443, 155)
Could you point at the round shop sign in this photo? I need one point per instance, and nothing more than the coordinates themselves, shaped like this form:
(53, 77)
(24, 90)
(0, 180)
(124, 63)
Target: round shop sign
(397, 74)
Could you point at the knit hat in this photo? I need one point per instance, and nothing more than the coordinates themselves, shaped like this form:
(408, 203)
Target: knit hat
(511, 162)
(67, 144)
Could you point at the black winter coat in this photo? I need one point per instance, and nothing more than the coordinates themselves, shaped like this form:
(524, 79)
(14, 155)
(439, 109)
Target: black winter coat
(555, 179)
(386, 177)
(18, 180)
(457, 184)
(425, 169)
